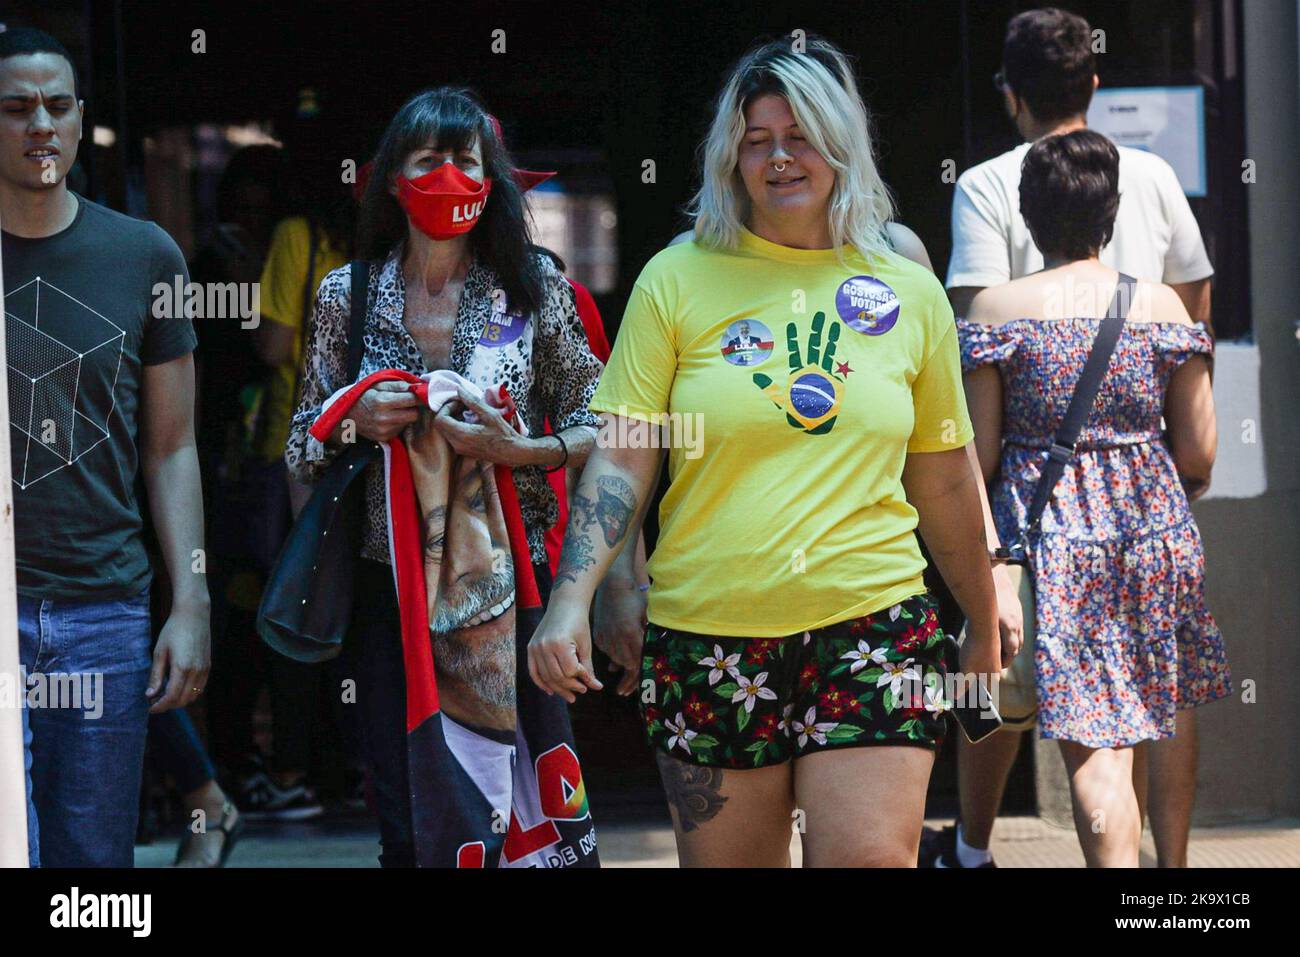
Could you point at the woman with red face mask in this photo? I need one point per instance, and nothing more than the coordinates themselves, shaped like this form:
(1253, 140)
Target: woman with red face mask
(454, 284)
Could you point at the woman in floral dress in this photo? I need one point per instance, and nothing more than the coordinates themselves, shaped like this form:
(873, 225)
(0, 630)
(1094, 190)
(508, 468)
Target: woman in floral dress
(1125, 646)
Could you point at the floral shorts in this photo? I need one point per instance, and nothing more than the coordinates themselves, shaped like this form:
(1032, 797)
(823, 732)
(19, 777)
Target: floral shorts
(749, 702)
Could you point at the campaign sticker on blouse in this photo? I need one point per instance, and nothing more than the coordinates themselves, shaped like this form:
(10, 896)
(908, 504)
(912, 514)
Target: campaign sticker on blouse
(867, 305)
(747, 342)
(502, 328)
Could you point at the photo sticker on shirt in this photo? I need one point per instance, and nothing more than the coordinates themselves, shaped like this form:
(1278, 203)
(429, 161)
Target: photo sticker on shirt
(867, 305)
(747, 342)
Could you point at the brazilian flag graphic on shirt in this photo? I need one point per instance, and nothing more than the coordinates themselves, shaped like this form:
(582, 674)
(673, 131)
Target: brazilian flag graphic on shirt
(814, 388)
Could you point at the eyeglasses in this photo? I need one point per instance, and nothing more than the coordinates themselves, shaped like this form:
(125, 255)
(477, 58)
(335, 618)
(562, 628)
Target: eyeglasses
(1000, 82)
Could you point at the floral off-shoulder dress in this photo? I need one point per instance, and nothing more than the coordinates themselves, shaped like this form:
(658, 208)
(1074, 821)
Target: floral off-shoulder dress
(1124, 637)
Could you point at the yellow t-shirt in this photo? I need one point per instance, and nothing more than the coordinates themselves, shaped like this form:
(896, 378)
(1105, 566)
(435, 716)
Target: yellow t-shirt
(281, 301)
(808, 381)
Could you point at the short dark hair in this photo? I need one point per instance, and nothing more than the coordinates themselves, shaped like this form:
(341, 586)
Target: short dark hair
(1047, 61)
(23, 41)
(1069, 193)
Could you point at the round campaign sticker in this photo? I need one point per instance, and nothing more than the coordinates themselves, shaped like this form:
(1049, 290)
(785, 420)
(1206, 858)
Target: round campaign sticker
(747, 342)
(867, 305)
(502, 328)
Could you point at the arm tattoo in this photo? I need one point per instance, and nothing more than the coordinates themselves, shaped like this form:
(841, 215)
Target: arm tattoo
(575, 557)
(614, 508)
(692, 791)
(582, 511)
(575, 554)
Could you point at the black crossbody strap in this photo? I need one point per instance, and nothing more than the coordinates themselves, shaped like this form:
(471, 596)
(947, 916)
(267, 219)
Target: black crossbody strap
(357, 324)
(1081, 402)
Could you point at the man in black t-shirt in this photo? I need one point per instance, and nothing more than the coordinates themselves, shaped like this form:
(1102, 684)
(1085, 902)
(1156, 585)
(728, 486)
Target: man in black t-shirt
(101, 391)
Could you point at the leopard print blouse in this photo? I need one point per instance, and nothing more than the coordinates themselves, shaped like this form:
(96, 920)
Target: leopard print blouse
(543, 360)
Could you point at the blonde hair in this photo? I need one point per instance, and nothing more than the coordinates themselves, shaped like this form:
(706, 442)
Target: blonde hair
(818, 84)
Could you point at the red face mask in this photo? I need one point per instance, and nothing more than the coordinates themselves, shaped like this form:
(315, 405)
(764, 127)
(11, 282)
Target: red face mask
(443, 203)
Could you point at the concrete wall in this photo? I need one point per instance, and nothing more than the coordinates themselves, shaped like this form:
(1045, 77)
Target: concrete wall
(1250, 752)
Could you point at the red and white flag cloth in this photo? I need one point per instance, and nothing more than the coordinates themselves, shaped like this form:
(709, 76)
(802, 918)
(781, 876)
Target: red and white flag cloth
(492, 748)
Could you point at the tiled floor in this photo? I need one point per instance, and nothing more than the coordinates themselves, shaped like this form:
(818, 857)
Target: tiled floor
(1032, 842)
(1017, 842)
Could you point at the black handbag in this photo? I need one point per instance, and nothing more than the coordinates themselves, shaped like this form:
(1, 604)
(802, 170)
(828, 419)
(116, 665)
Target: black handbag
(306, 607)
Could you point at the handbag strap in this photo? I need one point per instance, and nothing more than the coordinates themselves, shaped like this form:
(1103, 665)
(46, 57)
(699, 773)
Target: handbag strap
(1081, 402)
(357, 324)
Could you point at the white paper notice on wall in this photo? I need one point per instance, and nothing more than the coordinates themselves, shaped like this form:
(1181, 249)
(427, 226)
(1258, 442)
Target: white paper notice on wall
(1239, 465)
(1166, 120)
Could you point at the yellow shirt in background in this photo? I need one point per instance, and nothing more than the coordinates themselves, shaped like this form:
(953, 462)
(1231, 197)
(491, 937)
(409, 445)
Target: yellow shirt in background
(281, 298)
(805, 382)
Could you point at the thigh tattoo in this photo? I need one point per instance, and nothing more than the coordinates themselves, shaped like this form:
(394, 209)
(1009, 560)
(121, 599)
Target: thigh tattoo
(692, 790)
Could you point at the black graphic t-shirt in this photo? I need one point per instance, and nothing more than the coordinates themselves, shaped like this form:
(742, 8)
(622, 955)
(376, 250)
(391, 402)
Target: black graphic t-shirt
(79, 328)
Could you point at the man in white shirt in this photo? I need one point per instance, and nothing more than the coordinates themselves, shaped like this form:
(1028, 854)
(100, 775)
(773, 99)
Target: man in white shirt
(1047, 80)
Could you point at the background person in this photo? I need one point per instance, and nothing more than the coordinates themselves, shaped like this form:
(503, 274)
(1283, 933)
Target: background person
(1125, 647)
(1047, 80)
(249, 203)
(316, 237)
(175, 745)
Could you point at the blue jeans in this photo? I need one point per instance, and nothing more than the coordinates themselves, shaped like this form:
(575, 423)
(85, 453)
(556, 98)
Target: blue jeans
(84, 743)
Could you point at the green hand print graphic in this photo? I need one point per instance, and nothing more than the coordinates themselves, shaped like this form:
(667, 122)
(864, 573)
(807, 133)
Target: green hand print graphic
(811, 395)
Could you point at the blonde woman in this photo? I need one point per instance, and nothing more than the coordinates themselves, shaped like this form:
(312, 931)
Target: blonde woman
(790, 636)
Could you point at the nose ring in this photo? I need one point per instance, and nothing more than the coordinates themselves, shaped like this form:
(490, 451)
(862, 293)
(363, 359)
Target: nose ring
(779, 167)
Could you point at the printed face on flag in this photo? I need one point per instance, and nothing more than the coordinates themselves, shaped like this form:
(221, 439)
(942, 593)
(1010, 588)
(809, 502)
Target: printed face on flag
(469, 579)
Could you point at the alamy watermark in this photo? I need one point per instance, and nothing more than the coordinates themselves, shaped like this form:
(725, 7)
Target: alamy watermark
(81, 691)
(208, 300)
(663, 430)
(1069, 299)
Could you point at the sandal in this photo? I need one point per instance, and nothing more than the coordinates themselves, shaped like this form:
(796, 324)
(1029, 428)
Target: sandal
(231, 829)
